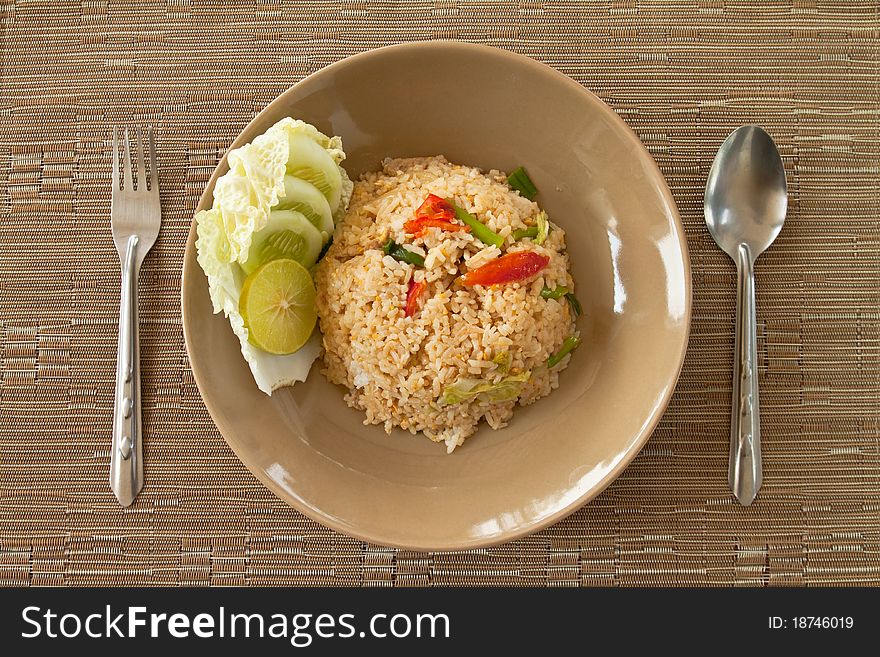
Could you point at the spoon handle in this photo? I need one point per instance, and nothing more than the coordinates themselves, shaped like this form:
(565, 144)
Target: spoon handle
(744, 475)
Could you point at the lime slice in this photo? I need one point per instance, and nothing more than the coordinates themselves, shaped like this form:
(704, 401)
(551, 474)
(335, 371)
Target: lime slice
(278, 306)
(287, 234)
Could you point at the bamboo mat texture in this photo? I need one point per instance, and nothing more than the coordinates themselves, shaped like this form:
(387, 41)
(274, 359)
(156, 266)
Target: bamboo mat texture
(683, 74)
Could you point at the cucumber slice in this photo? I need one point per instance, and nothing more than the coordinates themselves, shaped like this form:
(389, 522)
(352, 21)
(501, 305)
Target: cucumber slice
(304, 197)
(310, 162)
(288, 234)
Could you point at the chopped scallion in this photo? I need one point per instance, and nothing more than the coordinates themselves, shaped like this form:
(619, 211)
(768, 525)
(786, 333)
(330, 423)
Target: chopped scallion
(538, 233)
(568, 345)
(401, 254)
(520, 181)
(479, 229)
(521, 233)
(561, 291)
(556, 293)
(574, 303)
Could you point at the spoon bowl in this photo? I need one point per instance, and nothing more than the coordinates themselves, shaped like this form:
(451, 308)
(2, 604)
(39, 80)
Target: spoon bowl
(746, 194)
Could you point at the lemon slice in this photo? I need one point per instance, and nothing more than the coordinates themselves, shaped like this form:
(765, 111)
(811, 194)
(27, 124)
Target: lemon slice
(278, 306)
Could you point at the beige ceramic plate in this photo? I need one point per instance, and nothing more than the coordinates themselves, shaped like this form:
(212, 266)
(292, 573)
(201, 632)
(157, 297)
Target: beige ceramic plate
(489, 108)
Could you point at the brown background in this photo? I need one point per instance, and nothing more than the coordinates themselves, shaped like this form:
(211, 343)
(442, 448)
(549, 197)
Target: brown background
(681, 74)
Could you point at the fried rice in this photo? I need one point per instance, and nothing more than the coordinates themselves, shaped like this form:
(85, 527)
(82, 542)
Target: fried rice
(397, 368)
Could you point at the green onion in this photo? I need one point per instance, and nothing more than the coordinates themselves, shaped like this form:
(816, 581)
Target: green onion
(521, 233)
(400, 254)
(481, 231)
(520, 181)
(560, 291)
(538, 233)
(568, 345)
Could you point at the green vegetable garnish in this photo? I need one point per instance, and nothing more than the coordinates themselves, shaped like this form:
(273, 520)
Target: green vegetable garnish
(574, 303)
(502, 360)
(401, 254)
(538, 233)
(522, 233)
(543, 228)
(480, 230)
(520, 181)
(562, 291)
(507, 389)
(556, 293)
(568, 345)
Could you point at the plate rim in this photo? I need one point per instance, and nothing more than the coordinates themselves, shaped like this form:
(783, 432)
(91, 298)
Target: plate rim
(636, 445)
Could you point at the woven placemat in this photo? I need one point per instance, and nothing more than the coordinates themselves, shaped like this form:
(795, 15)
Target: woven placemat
(681, 74)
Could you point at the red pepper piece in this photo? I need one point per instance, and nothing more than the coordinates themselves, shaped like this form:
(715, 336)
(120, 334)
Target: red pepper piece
(435, 212)
(417, 227)
(435, 207)
(508, 268)
(412, 297)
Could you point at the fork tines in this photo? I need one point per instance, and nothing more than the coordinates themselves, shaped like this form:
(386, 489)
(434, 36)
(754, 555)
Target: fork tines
(127, 177)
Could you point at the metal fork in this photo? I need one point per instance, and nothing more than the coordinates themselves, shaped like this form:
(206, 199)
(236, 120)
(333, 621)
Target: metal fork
(135, 218)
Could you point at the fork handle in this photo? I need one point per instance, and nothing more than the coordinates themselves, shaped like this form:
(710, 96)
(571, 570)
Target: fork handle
(126, 462)
(744, 474)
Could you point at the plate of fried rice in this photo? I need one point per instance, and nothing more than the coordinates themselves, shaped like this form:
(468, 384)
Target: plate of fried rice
(436, 296)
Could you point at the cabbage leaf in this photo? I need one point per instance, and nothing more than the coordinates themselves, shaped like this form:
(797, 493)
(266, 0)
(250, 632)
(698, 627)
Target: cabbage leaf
(243, 198)
(467, 389)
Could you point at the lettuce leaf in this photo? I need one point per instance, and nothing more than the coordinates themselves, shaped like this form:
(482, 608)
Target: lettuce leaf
(242, 200)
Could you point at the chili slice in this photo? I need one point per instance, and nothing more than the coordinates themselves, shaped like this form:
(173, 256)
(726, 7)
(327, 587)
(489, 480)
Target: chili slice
(509, 268)
(412, 297)
(434, 212)
(419, 226)
(435, 207)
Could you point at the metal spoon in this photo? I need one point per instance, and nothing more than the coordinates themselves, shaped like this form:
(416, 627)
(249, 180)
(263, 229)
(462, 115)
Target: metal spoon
(745, 203)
